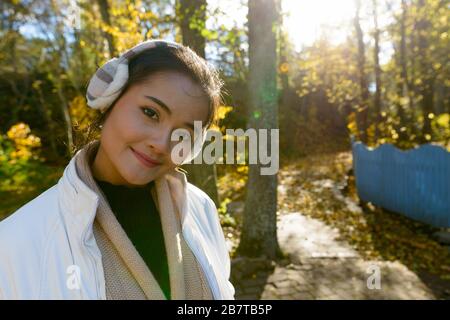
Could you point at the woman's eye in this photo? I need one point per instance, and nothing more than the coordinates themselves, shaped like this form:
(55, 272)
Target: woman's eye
(150, 113)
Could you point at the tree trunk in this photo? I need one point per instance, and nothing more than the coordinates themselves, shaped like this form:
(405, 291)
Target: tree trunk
(403, 85)
(188, 12)
(67, 119)
(59, 83)
(403, 54)
(44, 109)
(377, 98)
(426, 87)
(259, 232)
(361, 114)
(202, 175)
(106, 18)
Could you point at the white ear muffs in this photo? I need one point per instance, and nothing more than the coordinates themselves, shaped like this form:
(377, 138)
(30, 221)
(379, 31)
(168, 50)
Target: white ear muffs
(101, 94)
(109, 80)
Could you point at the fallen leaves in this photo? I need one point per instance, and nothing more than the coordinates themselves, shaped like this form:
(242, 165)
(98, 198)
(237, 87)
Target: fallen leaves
(319, 187)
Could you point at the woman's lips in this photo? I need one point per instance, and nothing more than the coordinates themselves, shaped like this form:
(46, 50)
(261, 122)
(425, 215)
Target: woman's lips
(145, 160)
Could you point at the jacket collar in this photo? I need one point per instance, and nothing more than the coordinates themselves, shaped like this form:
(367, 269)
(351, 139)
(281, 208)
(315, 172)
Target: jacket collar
(79, 207)
(78, 201)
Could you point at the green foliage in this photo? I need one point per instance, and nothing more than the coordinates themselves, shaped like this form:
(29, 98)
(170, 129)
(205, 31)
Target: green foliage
(325, 76)
(23, 171)
(20, 162)
(226, 219)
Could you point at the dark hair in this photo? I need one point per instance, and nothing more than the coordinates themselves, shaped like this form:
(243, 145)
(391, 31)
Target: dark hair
(181, 59)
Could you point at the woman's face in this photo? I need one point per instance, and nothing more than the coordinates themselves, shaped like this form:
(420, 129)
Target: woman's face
(141, 123)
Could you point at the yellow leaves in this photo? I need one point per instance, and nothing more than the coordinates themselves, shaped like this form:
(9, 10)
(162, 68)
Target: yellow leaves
(18, 131)
(242, 169)
(223, 111)
(31, 141)
(437, 66)
(23, 141)
(36, 84)
(223, 206)
(228, 137)
(371, 131)
(303, 92)
(443, 120)
(81, 115)
(314, 76)
(211, 35)
(284, 67)
(232, 184)
(214, 127)
(351, 123)
(126, 24)
(394, 134)
(404, 101)
(149, 34)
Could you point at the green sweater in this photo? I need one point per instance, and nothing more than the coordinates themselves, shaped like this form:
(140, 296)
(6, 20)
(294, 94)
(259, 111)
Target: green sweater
(136, 212)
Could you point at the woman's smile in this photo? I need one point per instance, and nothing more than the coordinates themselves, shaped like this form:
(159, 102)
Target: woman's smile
(145, 160)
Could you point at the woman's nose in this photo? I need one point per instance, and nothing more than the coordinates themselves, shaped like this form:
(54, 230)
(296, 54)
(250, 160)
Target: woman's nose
(159, 142)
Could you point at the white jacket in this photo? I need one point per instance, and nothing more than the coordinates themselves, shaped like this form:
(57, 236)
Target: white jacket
(42, 241)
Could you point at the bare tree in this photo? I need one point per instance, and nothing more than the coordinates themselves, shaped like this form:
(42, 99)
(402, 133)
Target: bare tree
(259, 232)
(362, 112)
(106, 18)
(377, 98)
(426, 87)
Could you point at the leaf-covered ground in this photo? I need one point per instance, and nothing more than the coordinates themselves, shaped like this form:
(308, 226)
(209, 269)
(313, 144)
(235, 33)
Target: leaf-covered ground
(320, 187)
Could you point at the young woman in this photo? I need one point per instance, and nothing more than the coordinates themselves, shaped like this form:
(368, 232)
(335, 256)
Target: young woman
(123, 222)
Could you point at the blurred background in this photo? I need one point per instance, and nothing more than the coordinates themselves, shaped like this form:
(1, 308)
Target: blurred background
(358, 88)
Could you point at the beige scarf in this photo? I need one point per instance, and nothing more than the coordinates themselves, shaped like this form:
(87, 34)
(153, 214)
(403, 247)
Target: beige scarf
(127, 276)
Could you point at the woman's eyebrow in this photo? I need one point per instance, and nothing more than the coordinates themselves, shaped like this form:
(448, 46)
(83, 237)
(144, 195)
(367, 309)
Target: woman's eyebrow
(161, 104)
(166, 108)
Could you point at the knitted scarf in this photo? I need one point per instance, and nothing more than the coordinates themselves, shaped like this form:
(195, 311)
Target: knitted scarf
(127, 276)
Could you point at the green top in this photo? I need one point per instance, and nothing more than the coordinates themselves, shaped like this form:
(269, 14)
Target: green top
(136, 212)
